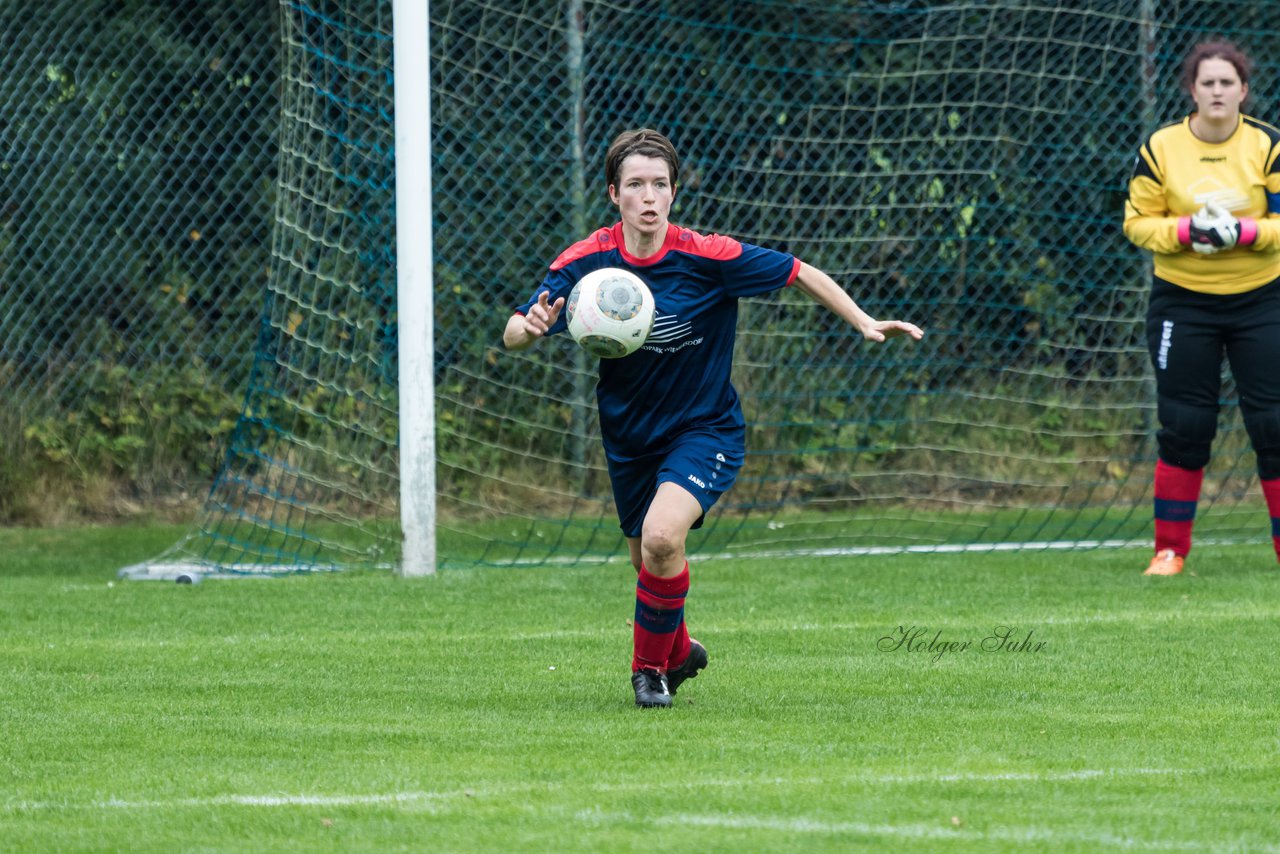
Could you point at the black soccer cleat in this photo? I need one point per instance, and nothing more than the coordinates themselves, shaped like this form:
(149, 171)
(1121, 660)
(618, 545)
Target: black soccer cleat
(651, 689)
(696, 660)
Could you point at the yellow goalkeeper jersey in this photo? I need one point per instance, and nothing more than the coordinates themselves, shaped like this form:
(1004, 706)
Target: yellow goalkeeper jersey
(1175, 174)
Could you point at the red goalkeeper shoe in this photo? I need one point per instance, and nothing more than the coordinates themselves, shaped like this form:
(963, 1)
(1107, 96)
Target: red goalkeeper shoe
(1166, 562)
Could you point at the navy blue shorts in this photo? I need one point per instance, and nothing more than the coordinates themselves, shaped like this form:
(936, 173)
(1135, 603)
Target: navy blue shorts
(705, 464)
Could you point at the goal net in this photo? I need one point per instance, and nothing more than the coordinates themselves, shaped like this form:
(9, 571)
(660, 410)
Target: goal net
(962, 165)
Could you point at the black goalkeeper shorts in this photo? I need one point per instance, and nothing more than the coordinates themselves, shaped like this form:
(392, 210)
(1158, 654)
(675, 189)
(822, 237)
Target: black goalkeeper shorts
(1189, 332)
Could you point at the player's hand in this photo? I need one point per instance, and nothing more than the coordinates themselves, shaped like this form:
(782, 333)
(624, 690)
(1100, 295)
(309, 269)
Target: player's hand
(881, 330)
(1213, 229)
(1234, 232)
(542, 315)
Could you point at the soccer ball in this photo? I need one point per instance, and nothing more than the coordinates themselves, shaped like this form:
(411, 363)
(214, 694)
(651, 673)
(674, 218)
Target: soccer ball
(610, 312)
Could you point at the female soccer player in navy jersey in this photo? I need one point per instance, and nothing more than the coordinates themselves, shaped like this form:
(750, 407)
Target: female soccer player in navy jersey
(1205, 199)
(671, 422)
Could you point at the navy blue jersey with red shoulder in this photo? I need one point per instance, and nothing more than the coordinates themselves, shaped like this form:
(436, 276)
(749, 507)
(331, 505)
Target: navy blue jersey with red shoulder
(680, 379)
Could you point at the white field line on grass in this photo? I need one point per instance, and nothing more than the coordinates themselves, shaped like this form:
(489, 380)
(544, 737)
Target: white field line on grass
(169, 571)
(734, 821)
(932, 548)
(940, 548)
(1023, 835)
(855, 551)
(407, 798)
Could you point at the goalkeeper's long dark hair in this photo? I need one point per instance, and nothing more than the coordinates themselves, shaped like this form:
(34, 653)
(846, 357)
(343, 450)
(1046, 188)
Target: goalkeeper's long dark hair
(1215, 49)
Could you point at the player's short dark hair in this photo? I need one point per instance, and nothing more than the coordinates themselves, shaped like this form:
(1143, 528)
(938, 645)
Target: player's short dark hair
(1216, 49)
(645, 141)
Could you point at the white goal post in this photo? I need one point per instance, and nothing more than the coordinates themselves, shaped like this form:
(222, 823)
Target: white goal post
(414, 285)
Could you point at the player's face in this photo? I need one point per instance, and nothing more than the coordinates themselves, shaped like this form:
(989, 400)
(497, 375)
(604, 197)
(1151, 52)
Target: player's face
(1217, 91)
(644, 194)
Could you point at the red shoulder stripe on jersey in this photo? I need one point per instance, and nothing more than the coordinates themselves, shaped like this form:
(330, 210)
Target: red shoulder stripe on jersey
(717, 247)
(601, 241)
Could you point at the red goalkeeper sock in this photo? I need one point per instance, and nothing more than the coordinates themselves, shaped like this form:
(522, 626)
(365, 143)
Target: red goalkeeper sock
(1271, 489)
(1176, 492)
(659, 616)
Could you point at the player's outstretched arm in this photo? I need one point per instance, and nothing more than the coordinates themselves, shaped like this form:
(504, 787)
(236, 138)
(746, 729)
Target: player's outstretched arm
(524, 330)
(824, 289)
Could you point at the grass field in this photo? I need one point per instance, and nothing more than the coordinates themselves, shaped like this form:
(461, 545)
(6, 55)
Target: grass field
(490, 710)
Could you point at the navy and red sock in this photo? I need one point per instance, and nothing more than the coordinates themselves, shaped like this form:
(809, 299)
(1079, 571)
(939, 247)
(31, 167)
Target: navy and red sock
(679, 647)
(1177, 490)
(659, 623)
(1271, 490)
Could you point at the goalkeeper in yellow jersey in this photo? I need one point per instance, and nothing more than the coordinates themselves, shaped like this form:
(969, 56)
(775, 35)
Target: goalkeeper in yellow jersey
(1204, 198)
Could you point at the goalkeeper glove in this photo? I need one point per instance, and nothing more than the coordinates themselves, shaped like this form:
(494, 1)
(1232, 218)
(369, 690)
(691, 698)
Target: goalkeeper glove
(1213, 229)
